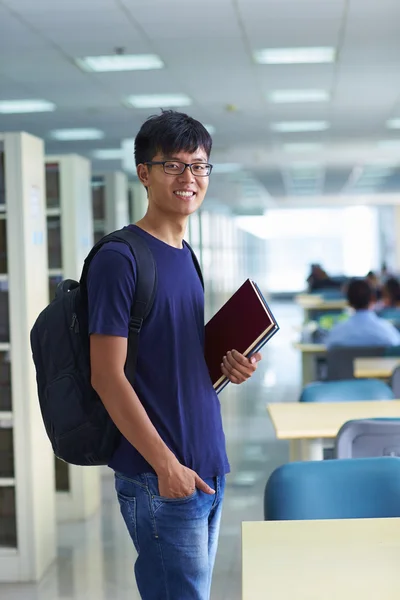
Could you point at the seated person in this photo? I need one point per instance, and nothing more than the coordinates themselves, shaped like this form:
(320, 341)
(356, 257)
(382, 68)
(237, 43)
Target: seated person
(375, 284)
(364, 327)
(319, 279)
(391, 294)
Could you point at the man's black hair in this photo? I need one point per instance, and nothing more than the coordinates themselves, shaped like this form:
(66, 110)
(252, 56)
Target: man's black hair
(169, 133)
(359, 294)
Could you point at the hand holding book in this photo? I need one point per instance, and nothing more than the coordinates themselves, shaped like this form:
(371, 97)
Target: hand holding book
(245, 323)
(237, 368)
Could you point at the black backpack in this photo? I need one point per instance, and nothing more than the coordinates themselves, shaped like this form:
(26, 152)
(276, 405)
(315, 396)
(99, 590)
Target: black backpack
(77, 423)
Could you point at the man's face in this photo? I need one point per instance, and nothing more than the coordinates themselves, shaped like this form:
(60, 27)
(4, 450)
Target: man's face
(178, 194)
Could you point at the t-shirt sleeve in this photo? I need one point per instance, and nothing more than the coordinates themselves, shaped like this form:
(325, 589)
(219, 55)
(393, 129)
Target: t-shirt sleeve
(111, 288)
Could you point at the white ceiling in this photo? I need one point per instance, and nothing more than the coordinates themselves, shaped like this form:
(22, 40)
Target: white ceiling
(207, 49)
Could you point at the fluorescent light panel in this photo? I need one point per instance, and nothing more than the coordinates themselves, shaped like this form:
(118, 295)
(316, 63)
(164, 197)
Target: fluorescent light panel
(66, 135)
(108, 154)
(299, 126)
(293, 96)
(26, 106)
(159, 100)
(120, 62)
(389, 144)
(291, 56)
(393, 124)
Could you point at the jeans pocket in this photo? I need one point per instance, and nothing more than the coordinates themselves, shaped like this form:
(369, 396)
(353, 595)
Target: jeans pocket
(128, 511)
(181, 500)
(152, 482)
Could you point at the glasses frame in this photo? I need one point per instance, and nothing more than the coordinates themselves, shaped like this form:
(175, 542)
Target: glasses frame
(187, 166)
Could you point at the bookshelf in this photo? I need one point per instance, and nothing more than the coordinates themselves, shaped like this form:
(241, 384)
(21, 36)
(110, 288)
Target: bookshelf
(138, 202)
(109, 202)
(27, 498)
(70, 238)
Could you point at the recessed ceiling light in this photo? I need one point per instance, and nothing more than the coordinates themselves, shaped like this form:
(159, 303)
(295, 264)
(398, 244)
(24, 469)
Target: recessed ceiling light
(210, 129)
(120, 62)
(289, 96)
(26, 106)
(108, 154)
(159, 100)
(67, 135)
(287, 56)
(393, 124)
(299, 126)
(303, 147)
(389, 144)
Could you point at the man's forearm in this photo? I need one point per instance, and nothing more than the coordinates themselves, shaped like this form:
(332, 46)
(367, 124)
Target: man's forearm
(130, 417)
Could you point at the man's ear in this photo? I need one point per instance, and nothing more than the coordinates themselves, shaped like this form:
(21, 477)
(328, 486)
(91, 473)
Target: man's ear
(143, 174)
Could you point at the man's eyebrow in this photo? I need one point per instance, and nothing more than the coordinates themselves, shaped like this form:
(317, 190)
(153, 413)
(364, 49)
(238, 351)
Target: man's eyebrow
(199, 159)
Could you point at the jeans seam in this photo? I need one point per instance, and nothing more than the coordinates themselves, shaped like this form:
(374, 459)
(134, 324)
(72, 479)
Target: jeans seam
(157, 539)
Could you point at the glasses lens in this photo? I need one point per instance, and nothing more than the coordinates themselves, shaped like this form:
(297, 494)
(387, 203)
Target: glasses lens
(177, 168)
(174, 168)
(201, 169)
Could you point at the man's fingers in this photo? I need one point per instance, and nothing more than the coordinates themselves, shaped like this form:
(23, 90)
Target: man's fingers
(238, 369)
(256, 357)
(203, 487)
(229, 375)
(239, 358)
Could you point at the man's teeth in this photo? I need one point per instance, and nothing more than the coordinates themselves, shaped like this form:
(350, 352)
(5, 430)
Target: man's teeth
(184, 194)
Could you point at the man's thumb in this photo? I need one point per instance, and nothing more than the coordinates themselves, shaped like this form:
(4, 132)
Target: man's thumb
(203, 487)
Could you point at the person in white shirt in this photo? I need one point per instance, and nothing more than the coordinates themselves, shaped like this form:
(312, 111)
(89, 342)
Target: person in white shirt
(364, 327)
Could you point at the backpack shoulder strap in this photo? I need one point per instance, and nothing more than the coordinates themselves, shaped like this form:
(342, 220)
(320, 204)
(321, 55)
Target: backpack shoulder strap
(196, 264)
(145, 289)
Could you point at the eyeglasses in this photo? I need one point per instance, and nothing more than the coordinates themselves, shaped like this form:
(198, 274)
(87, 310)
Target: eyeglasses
(176, 167)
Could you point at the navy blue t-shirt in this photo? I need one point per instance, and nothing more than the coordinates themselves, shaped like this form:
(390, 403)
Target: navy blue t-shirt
(172, 379)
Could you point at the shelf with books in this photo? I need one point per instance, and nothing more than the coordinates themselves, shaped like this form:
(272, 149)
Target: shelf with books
(27, 529)
(109, 202)
(70, 238)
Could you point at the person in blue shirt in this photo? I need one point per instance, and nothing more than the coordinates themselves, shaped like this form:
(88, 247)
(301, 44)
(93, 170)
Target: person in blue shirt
(171, 463)
(364, 327)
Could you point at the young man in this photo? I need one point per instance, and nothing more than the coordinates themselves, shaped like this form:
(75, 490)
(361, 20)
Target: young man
(364, 328)
(171, 463)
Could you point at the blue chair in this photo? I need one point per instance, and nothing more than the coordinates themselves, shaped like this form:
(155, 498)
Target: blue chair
(348, 390)
(339, 360)
(364, 438)
(358, 488)
(392, 314)
(392, 351)
(395, 382)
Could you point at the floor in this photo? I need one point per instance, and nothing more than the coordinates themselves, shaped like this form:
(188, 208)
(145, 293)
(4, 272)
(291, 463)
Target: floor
(95, 559)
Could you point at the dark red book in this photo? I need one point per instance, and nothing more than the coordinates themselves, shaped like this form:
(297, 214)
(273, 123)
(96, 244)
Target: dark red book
(244, 323)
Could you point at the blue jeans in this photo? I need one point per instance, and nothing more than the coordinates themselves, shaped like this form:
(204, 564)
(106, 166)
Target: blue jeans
(176, 539)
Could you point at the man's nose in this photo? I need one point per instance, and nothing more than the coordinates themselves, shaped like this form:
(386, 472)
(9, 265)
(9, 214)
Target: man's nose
(187, 175)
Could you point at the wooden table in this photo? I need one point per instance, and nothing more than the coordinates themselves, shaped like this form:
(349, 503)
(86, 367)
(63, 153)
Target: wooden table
(311, 302)
(309, 354)
(380, 367)
(316, 302)
(347, 559)
(307, 424)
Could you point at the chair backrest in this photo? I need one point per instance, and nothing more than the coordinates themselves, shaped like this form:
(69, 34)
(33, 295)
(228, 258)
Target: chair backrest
(347, 390)
(334, 489)
(364, 438)
(392, 351)
(392, 314)
(395, 382)
(340, 359)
